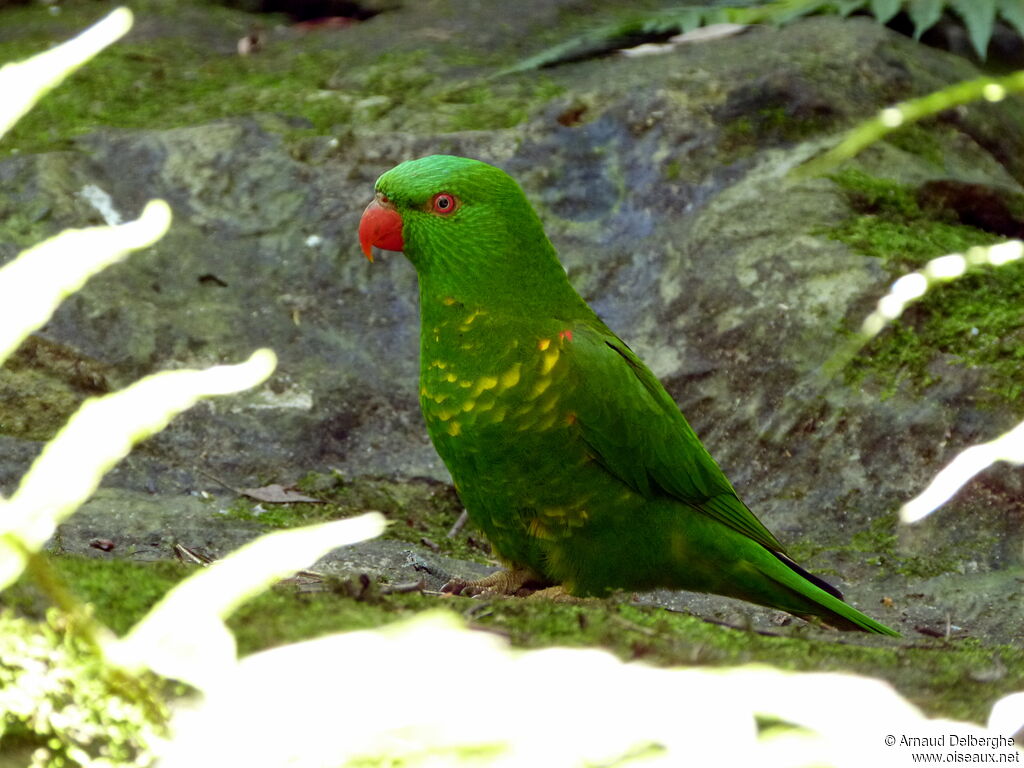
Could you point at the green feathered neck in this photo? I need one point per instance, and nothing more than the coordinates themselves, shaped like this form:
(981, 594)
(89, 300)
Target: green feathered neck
(491, 252)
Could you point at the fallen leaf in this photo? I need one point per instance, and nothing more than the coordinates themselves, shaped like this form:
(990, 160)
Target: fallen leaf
(277, 494)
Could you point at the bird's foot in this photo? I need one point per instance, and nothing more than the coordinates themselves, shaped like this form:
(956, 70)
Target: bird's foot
(518, 582)
(559, 594)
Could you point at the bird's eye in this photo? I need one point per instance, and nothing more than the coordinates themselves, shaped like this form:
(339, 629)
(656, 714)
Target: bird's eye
(444, 203)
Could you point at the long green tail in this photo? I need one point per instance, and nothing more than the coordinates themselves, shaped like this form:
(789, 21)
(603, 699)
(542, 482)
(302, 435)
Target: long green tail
(826, 603)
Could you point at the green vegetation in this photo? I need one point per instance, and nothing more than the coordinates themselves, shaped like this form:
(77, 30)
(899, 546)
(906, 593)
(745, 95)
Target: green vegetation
(420, 511)
(635, 26)
(945, 678)
(63, 705)
(975, 321)
(877, 545)
(766, 126)
(914, 139)
(120, 591)
(167, 82)
(891, 226)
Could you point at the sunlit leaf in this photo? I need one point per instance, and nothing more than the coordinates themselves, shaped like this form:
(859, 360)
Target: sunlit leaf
(184, 637)
(1007, 715)
(34, 284)
(1007, 447)
(398, 696)
(797, 9)
(894, 117)
(96, 437)
(978, 16)
(24, 83)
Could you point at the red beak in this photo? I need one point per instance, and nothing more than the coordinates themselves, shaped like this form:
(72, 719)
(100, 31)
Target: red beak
(380, 226)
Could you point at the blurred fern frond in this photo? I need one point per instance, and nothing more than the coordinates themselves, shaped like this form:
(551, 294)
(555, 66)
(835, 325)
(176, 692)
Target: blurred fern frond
(978, 16)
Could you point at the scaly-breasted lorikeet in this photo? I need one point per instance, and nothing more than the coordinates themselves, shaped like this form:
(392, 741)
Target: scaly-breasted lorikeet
(565, 449)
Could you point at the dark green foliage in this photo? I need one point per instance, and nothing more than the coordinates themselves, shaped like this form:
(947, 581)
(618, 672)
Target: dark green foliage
(977, 15)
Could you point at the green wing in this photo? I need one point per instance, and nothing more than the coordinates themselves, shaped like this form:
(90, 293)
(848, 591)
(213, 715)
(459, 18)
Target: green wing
(638, 433)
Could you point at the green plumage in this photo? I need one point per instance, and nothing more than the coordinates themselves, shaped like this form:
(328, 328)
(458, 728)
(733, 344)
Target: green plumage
(565, 449)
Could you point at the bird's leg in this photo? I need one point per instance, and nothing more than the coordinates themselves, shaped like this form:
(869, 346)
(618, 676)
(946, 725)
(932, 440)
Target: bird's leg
(559, 594)
(513, 581)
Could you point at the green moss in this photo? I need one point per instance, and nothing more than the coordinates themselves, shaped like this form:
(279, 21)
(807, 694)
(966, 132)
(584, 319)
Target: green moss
(280, 616)
(879, 197)
(917, 140)
(978, 319)
(947, 678)
(974, 321)
(768, 125)
(421, 511)
(282, 515)
(876, 545)
(21, 226)
(34, 406)
(38, 23)
(42, 383)
(890, 226)
(120, 591)
(169, 83)
(172, 81)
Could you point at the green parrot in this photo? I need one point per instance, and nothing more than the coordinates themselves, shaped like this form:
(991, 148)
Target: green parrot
(564, 447)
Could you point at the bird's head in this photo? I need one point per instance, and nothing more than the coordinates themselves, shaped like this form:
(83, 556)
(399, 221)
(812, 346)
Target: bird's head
(465, 225)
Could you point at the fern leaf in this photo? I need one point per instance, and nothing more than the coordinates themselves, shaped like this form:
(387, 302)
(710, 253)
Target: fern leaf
(979, 16)
(846, 7)
(1012, 12)
(924, 14)
(885, 9)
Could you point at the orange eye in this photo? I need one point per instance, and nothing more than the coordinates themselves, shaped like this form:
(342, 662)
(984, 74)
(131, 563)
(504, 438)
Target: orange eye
(444, 203)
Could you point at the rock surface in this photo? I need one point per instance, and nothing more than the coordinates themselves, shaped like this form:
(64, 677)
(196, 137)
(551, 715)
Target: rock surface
(662, 182)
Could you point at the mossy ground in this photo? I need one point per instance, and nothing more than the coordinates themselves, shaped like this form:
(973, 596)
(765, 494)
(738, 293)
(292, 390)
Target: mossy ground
(877, 546)
(41, 384)
(956, 678)
(420, 511)
(975, 321)
(329, 86)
